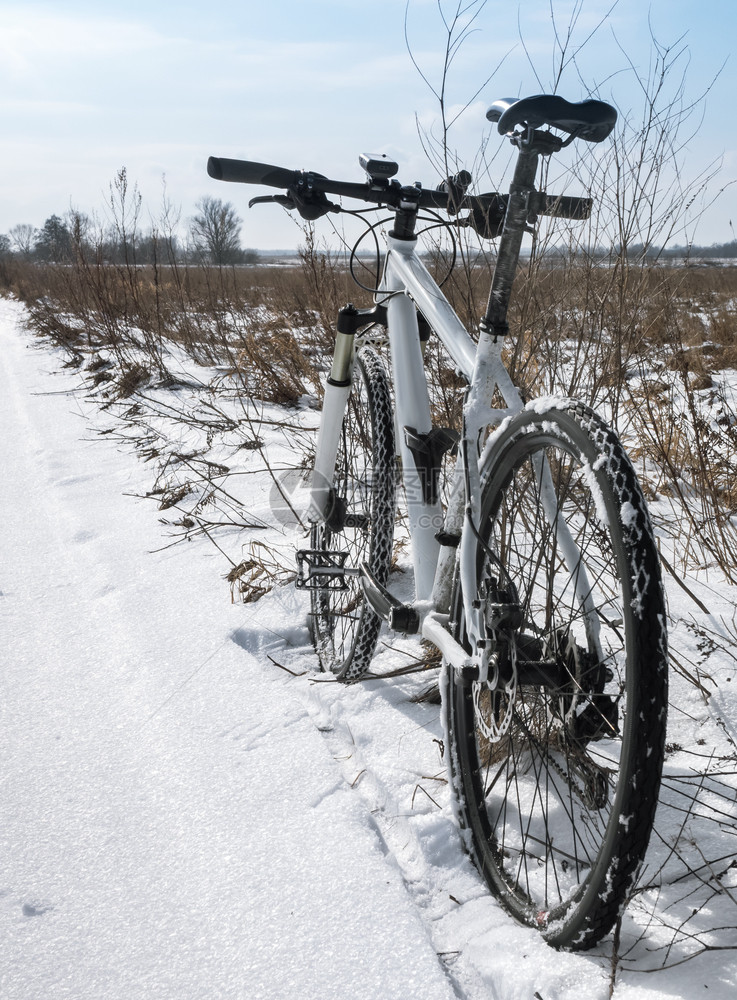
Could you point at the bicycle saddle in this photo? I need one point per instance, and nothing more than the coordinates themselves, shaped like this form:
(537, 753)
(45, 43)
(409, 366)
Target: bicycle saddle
(589, 120)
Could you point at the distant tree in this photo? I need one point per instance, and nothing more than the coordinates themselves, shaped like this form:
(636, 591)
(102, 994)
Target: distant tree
(124, 205)
(4, 245)
(721, 249)
(82, 237)
(53, 241)
(158, 247)
(215, 231)
(22, 239)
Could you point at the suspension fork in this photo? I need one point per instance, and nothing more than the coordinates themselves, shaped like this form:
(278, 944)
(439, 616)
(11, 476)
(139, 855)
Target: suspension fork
(335, 400)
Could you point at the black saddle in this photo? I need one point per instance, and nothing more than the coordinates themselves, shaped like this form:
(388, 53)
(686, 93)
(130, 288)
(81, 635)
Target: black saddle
(589, 120)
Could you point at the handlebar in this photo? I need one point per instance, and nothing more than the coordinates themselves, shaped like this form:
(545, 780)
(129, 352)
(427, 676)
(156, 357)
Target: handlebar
(306, 182)
(306, 191)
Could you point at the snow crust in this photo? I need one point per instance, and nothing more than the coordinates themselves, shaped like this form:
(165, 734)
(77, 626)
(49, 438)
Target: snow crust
(174, 824)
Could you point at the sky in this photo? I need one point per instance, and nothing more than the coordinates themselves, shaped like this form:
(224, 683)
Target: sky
(91, 86)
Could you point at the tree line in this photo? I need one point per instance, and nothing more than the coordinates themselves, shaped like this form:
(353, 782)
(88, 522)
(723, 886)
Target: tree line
(211, 236)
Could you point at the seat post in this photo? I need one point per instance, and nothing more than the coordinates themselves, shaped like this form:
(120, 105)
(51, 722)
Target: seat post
(515, 224)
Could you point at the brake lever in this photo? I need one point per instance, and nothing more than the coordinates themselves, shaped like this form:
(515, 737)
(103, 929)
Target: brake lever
(312, 207)
(280, 199)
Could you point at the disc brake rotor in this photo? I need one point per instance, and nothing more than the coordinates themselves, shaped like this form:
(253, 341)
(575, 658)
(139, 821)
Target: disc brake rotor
(494, 716)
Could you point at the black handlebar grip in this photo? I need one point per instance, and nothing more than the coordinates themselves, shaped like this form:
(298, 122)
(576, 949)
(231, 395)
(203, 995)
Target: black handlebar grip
(247, 172)
(563, 207)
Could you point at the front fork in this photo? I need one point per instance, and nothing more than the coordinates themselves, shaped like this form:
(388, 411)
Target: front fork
(335, 400)
(414, 428)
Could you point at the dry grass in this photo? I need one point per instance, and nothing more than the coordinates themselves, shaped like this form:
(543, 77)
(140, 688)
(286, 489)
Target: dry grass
(642, 342)
(260, 322)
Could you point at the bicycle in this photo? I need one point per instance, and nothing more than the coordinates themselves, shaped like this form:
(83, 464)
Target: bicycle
(537, 578)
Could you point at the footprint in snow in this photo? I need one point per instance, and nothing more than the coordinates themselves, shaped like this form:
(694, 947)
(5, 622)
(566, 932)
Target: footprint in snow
(36, 909)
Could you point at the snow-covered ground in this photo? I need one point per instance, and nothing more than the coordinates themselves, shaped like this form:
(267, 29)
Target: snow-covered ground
(183, 818)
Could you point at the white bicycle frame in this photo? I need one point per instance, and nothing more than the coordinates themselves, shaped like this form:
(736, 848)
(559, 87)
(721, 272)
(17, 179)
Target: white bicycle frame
(407, 286)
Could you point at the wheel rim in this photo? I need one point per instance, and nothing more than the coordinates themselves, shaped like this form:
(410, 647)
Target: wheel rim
(363, 483)
(549, 786)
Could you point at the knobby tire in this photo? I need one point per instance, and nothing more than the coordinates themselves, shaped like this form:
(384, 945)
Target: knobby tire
(555, 784)
(344, 628)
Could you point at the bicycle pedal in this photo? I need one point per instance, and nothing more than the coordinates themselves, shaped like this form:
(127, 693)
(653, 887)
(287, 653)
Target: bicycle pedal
(320, 569)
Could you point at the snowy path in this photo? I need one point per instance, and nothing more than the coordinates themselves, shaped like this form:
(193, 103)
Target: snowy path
(161, 837)
(181, 819)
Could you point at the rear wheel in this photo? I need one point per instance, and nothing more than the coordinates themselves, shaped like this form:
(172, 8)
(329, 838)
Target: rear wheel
(345, 630)
(556, 771)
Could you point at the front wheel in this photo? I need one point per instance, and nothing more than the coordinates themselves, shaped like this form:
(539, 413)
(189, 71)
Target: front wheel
(556, 770)
(344, 628)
